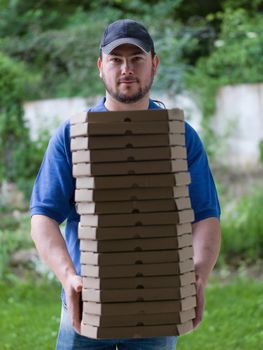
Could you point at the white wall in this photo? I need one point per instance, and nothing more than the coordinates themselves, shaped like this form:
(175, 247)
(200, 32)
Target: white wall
(239, 114)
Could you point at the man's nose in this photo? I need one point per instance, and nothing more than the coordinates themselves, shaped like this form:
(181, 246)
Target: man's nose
(127, 67)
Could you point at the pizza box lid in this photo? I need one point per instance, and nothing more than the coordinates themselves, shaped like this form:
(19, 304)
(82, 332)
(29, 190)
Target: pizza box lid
(130, 194)
(141, 257)
(149, 115)
(128, 154)
(132, 232)
(137, 270)
(139, 320)
(133, 181)
(137, 244)
(135, 332)
(139, 282)
(128, 295)
(126, 141)
(147, 206)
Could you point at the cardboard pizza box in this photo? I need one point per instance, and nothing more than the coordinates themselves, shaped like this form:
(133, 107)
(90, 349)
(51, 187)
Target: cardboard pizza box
(139, 320)
(139, 282)
(127, 128)
(132, 232)
(154, 205)
(130, 194)
(133, 181)
(128, 295)
(128, 116)
(135, 332)
(137, 270)
(130, 168)
(140, 244)
(126, 141)
(128, 154)
(136, 308)
(141, 219)
(148, 257)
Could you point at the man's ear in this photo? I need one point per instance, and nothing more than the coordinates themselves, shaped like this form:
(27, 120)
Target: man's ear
(155, 63)
(99, 64)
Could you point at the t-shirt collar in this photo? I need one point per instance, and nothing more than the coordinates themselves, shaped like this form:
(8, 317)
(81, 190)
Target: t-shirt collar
(100, 106)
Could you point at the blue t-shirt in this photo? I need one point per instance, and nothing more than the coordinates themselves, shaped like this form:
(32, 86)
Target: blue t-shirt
(53, 192)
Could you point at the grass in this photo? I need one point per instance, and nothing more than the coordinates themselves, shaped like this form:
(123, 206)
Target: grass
(233, 318)
(29, 315)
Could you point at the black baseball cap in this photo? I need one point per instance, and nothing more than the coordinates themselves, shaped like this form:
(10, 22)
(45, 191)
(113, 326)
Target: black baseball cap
(126, 31)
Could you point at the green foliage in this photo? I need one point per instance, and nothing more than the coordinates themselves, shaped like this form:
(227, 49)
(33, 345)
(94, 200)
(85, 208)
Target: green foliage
(14, 235)
(30, 313)
(242, 230)
(237, 57)
(261, 151)
(232, 319)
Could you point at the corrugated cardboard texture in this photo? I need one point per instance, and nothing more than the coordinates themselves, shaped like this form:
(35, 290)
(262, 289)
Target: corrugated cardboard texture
(142, 307)
(156, 205)
(139, 244)
(142, 257)
(132, 232)
(139, 282)
(130, 194)
(128, 295)
(127, 128)
(127, 141)
(133, 181)
(134, 219)
(136, 332)
(129, 168)
(127, 116)
(129, 154)
(137, 270)
(138, 320)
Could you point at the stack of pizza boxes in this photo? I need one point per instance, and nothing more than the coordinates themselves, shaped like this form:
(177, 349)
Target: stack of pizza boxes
(135, 223)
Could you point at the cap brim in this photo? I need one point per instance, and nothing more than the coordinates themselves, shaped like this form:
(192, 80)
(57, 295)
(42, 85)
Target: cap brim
(111, 46)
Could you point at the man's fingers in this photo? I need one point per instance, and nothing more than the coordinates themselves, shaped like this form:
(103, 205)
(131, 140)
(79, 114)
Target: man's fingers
(200, 304)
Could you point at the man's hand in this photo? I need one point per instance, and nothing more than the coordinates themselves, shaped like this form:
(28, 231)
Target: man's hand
(200, 299)
(73, 287)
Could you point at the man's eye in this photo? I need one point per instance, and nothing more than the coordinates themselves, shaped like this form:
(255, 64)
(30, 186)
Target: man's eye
(115, 60)
(137, 59)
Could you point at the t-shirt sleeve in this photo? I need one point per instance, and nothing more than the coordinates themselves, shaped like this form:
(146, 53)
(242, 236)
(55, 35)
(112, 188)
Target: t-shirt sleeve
(202, 189)
(53, 191)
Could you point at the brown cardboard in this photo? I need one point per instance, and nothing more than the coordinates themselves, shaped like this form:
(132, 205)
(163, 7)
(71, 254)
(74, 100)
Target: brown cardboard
(137, 270)
(126, 141)
(129, 168)
(131, 232)
(133, 181)
(128, 154)
(138, 320)
(140, 244)
(133, 194)
(127, 128)
(139, 282)
(135, 332)
(148, 257)
(142, 307)
(155, 205)
(134, 219)
(127, 116)
(128, 295)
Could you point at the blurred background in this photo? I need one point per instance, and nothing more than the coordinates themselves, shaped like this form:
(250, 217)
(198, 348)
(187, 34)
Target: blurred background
(211, 56)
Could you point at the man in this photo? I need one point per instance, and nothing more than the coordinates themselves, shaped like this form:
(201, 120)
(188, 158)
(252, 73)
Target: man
(127, 65)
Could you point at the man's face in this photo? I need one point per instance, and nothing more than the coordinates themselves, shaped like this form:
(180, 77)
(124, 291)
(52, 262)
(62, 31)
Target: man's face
(127, 73)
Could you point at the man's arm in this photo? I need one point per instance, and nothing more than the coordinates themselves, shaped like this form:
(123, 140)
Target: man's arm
(52, 249)
(206, 244)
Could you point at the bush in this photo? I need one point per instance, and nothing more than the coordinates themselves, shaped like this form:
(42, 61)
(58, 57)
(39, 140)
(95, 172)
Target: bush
(242, 230)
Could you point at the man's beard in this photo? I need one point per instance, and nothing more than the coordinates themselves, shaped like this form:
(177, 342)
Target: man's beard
(137, 96)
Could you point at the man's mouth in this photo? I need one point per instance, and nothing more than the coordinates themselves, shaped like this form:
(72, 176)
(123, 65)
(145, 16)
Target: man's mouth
(128, 81)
